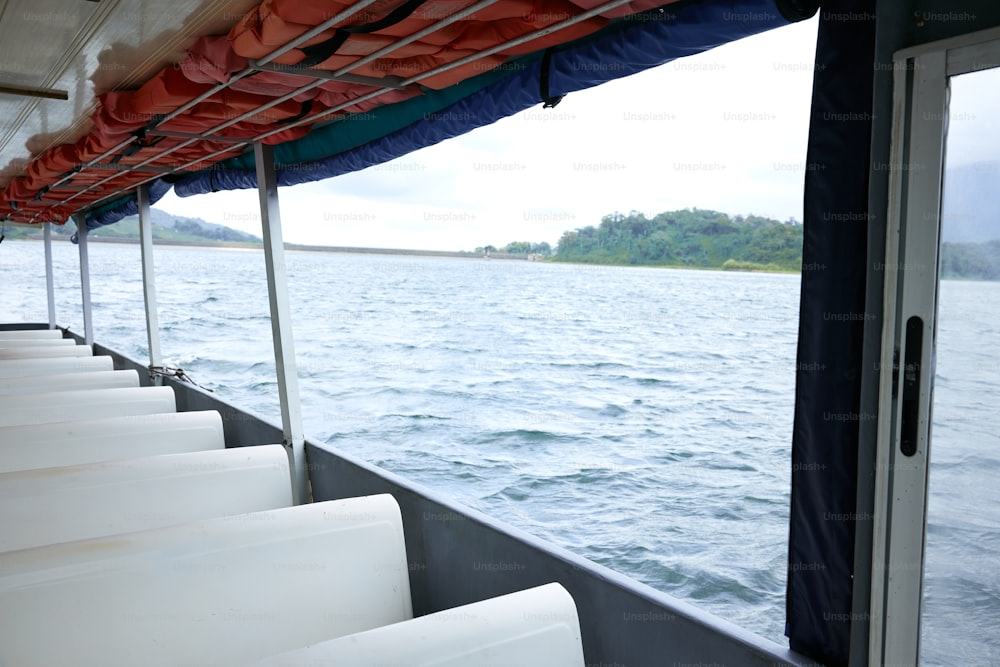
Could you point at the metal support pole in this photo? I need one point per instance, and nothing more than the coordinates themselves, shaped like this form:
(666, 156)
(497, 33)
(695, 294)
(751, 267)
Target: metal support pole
(50, 290)
(148, 281)
(88, 320)
(281, 320)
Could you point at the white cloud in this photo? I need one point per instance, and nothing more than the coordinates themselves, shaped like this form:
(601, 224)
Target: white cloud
(723, 130)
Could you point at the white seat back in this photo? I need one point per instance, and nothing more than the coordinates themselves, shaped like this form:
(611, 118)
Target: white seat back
(35, 342)
(58, 406)
(20, 334)
(88, 441)
(45, 351)
(59, 365)
(533, 628)
(215, 592)
(32, 384)
(52, 505)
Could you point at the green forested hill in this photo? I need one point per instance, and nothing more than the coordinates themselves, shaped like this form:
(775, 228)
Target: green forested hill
(691, 237)
(974, 261)
(167, 228)
(175, 228)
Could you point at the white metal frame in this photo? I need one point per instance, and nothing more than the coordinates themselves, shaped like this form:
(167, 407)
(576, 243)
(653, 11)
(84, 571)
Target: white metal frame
(50, 291)
(88, 318)
(281, 320)
(149, 281)
(920, 109)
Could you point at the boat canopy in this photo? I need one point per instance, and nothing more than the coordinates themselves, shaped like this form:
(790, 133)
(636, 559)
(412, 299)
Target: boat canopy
(334, 85)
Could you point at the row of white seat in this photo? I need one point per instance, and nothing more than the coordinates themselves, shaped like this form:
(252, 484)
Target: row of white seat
(129, 535)
(50, 345)
(31, 334)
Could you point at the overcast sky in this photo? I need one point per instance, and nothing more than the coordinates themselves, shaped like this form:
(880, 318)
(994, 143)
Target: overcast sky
(725, 130)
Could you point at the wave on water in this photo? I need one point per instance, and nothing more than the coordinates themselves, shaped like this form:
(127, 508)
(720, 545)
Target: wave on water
(519, 437)
(418, 417)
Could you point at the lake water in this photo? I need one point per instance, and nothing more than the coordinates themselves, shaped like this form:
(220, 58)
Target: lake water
(639, 417)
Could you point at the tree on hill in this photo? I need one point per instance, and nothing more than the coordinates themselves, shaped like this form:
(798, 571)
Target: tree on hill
(689, 237)
(527, 248)
(976, 261)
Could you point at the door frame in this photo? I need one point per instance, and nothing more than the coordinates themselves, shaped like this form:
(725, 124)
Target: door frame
(912, 260)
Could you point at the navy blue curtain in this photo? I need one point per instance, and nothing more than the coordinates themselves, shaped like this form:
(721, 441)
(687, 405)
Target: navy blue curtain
(831, 327)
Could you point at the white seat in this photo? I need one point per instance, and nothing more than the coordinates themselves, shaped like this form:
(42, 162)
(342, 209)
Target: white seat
(37, 334)
(33, 446)
(52, 505)
(33, 384)
(58, 406)
(35, 342)
(216, 592)
(23, 367)
(45, 351)
(533, 628)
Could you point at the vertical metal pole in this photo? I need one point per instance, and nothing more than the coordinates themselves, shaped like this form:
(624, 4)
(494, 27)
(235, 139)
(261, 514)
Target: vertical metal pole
(88, 320)
(148, 281)
(281, 320)
(50, 290)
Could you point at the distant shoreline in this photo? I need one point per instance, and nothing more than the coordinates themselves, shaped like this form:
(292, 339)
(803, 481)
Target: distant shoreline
(460, 254)
(351, 250)
(383, 251)
(242, 245)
